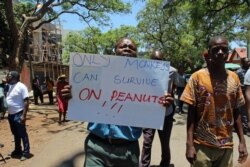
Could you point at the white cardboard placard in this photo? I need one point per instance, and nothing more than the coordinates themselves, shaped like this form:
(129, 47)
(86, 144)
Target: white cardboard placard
(117, 90)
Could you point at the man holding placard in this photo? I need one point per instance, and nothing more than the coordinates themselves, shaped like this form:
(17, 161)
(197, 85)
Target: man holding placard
(115, 145)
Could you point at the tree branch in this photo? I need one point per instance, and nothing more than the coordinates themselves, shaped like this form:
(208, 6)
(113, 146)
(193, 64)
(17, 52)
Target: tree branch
(51, 19)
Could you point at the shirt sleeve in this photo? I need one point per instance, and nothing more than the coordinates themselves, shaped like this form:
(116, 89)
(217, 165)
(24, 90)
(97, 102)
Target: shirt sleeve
(188, 95)
(25, 92)
(247, 78)
(172, 79)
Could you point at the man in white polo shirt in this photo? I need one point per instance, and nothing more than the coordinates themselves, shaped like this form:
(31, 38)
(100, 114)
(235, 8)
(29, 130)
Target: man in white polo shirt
(18, 105)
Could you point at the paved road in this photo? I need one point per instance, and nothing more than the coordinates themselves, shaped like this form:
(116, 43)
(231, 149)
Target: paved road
(67, 143)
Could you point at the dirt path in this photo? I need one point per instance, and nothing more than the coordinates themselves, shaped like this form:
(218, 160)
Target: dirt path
(52, 143)
(43, 129)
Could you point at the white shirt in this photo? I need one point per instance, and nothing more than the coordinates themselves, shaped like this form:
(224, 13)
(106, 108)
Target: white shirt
(15, 97)
(247, 78)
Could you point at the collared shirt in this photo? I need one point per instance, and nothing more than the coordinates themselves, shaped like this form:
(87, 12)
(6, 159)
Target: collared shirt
(115, 131)
(128, 132)
(215, 101)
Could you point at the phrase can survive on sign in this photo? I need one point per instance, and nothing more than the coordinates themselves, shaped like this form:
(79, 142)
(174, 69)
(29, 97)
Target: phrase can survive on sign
(118, 90)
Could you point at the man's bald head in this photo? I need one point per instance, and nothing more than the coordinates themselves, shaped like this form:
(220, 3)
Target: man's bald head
(157, 55)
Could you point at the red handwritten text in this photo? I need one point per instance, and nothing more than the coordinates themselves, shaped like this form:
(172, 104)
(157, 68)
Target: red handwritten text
(86, 94)
(133, 97)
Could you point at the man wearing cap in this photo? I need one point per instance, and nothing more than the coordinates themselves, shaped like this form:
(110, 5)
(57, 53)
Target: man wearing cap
(18, 105)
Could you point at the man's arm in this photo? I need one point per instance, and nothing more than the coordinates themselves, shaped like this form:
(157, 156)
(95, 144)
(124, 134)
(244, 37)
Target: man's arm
(190, 150)
(247, 93)
(247, 99)
(25, 110)
(242, 143)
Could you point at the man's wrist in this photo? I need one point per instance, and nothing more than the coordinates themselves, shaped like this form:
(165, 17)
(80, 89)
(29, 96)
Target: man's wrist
(188, 144)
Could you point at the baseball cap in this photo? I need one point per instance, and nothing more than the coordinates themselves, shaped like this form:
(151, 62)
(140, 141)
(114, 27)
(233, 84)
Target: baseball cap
(14, 74)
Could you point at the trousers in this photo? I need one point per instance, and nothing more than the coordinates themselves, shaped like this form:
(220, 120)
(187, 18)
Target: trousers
(164, 135)
(102, 153)
(18, 129)
(213, 157)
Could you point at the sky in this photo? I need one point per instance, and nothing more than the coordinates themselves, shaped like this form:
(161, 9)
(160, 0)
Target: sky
(72, 22)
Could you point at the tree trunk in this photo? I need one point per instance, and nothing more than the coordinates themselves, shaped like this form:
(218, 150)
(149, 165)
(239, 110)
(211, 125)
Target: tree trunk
(14, 33)
(13, 59)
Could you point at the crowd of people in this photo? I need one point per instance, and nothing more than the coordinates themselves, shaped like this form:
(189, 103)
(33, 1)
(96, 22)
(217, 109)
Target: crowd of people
(217, 99)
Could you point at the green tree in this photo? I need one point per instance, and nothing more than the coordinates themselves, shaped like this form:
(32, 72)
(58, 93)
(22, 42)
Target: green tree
(182, 29)
(4, 38)
(110, 38)
(169, 30)
(85, 41)
(92, 40)
(219, 17)
(45, 11)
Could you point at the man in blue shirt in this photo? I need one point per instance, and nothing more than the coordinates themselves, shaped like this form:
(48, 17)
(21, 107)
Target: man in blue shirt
(114, 145)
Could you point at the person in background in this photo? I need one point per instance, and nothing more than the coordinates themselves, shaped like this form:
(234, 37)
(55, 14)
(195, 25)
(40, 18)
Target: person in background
(180, 85)
(18, 104)
(5, 86)
(165, 133)
(61, 102)
(214, 95)
(37, 92)
(50, 85)
(4, 89)
(121, 141)
(247, 94)
(241, 72)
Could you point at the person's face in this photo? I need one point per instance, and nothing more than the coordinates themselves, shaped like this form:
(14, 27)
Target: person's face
(126, 48)
(218, 51)
(9, 79)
